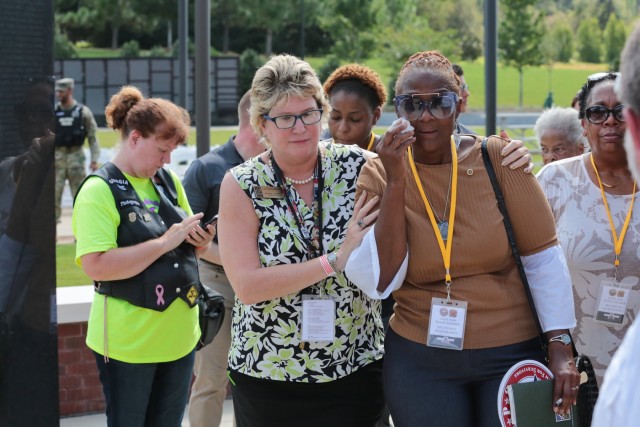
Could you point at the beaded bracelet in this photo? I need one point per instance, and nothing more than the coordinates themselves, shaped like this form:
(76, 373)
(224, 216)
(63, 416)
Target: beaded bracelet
(324, 262)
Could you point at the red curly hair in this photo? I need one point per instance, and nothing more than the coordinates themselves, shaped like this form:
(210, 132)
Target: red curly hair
(358, 79)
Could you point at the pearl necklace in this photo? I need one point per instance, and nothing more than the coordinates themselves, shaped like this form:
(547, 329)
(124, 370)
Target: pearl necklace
(301, 181)
(291, 181)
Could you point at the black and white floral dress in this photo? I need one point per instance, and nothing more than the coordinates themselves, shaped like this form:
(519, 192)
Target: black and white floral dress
(266, 339)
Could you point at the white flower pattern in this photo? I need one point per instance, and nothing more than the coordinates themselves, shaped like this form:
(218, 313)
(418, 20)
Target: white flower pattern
(266, 336)
(585, 235)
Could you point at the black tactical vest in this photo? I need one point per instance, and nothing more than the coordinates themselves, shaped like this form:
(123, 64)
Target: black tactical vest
(70, 130)
(174, 274)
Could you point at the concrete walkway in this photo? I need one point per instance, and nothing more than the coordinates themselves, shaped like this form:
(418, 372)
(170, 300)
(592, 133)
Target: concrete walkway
(100, 420)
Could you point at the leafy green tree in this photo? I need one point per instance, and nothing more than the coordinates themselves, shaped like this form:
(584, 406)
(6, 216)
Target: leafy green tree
(158, 13)
(396, 45)
(589, 41)
(604, 9)
(562, 37)
(227, 14)
(520, 35)
(270, 17)
(614, 39)
(353, 25)
(557, 42)
(462, 18)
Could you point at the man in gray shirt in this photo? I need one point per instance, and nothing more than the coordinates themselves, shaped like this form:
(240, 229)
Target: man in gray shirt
(202, 185)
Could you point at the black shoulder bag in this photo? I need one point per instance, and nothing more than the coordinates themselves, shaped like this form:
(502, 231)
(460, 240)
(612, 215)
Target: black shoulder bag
(588, 393)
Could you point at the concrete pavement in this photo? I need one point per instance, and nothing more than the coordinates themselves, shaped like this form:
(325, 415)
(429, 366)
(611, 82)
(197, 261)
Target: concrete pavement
(100, 420)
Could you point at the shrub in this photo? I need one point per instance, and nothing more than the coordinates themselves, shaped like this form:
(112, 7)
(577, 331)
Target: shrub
(158, 52)
(130, 49)
(191, 48)
(62, 47)
(250, 61)
(328, 67)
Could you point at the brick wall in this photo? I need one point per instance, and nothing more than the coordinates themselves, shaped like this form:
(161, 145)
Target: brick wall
(80, 388)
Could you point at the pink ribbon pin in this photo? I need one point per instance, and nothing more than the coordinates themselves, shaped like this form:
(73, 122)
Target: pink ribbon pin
(160, 294)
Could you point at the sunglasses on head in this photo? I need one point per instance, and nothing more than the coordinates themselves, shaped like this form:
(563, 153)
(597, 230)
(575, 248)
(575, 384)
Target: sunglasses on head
(599, 114)
(593, 78)
(440, 105)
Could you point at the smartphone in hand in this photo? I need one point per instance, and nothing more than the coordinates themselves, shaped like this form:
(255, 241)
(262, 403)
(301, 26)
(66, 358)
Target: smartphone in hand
(213, 221)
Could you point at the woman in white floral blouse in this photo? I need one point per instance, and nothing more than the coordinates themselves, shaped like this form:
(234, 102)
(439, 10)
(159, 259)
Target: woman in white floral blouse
(306, 343)
(593, 199)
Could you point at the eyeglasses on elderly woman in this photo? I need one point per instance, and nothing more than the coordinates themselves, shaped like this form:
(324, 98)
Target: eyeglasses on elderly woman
(598, 114)
(439, 105)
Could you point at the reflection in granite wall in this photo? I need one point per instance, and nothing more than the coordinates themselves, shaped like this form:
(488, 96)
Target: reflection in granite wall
(28, 342)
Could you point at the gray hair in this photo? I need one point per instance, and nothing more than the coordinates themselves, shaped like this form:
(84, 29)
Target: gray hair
(629, 81)
(281, 77)
(564, 120)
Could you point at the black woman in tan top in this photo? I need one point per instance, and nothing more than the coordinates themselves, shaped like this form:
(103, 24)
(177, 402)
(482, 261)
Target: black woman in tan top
(461, 316)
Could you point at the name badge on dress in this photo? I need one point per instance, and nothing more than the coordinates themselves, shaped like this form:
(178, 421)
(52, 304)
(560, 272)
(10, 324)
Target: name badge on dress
(612, 303)
(318, 318)
(266, 192)
(447, 323)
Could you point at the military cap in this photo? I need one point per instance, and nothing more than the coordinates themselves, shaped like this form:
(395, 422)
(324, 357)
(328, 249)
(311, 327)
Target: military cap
(64, 84)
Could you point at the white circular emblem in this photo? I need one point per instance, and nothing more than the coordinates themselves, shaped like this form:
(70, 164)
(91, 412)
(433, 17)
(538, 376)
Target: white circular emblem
(522, 372)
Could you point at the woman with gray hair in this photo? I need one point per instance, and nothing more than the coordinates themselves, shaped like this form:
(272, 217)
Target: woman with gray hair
(560, 134)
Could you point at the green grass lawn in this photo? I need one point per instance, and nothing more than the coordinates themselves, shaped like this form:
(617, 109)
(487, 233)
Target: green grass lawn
(564, 81)
(67, 272)
(108, 138)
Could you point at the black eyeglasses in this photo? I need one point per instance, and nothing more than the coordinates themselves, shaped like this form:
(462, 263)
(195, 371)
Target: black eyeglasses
(593, 78)
(440, 105)
(599, 114)
(287, 121)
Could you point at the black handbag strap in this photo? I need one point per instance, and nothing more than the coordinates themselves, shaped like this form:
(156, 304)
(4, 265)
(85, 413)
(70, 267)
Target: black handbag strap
(512, 240)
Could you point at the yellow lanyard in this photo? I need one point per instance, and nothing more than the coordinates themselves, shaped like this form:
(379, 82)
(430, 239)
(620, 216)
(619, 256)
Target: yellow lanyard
(445, 250)
(617, 242)
(373, 137)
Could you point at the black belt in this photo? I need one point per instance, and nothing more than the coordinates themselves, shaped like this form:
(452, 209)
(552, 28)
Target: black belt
(213, 266)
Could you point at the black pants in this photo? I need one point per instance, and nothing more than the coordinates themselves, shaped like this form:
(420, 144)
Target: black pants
(353, 401)
(427, 386)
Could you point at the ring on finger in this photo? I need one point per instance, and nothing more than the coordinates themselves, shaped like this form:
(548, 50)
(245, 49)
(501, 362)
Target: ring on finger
(575, 388)
(361, 223)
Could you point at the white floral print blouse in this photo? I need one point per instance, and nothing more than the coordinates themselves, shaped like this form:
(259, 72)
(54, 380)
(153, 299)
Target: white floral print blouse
(585, 235)
(266, 337)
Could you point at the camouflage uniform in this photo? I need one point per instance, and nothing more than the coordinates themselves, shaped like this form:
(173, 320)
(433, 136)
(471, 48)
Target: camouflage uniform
(70, 162)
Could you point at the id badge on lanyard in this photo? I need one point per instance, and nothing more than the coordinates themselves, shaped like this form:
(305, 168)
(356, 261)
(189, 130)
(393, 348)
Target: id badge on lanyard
(611, 304)
(447, 323)
(613, 299)
(318, 318)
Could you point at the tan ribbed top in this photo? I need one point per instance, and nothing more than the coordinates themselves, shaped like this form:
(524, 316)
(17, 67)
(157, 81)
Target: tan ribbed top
(482, 267)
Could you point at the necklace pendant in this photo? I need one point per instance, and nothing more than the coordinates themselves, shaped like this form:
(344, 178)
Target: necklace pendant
(444, 229)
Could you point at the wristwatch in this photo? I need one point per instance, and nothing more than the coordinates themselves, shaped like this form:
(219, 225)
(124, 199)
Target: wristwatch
(332, 257)
(564, 339)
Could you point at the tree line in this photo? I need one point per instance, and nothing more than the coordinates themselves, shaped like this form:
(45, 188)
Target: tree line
(532, 32)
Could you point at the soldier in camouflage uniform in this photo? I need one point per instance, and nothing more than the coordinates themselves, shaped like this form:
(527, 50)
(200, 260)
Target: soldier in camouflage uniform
(74, 123)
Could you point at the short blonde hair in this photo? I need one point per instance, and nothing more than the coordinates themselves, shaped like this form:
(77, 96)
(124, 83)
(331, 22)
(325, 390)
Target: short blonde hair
(281, 77)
